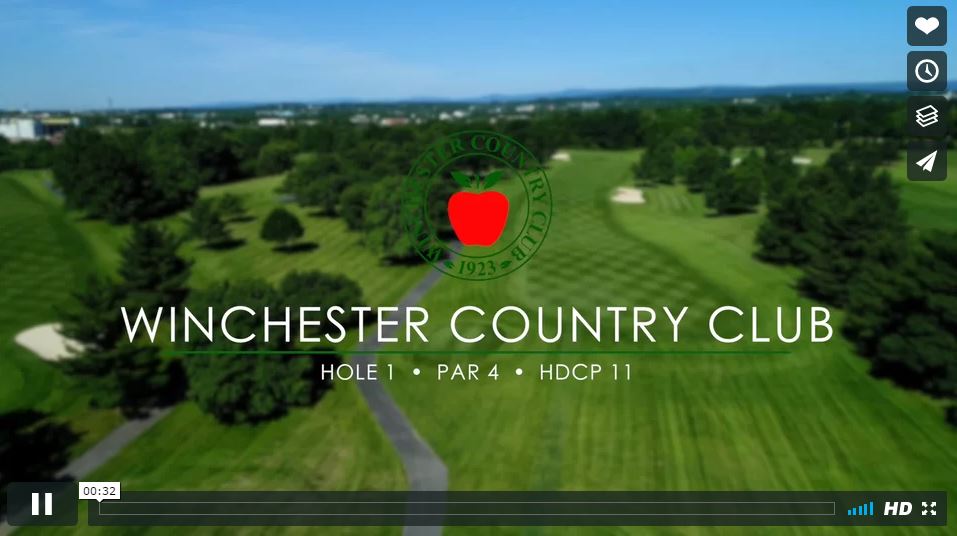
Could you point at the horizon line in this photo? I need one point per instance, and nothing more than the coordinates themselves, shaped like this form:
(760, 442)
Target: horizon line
(568, 93)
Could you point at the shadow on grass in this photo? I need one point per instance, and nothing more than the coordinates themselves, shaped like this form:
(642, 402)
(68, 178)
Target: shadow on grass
(298, 247)
(403, 261)
(240, 219)
(225, 245)
(729, 214)
(321, 213)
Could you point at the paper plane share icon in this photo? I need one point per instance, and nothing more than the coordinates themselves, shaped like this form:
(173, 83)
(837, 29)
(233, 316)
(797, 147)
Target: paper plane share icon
(927, 163)
(926, 116)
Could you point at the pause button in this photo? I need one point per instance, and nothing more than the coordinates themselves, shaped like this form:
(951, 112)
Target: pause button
(42, 503)
(47, 504)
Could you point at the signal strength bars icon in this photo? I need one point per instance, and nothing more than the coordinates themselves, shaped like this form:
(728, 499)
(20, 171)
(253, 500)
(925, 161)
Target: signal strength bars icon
(866, 509)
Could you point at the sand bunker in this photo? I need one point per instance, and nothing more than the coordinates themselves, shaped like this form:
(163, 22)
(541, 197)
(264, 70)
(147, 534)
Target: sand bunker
(46, 341)
(562, 156)
(628, 195)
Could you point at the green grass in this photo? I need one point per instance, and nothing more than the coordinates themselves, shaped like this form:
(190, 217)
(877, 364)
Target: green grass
(930, 204)
(811, 420)
(42, 259)
(334, 445)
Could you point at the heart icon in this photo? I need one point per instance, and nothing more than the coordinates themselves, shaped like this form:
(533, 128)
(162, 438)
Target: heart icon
(926, 25)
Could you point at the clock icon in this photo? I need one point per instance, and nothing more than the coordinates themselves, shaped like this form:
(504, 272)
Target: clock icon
(926, 71)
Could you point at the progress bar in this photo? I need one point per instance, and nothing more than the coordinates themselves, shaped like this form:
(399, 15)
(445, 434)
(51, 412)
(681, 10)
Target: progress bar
(508, 508)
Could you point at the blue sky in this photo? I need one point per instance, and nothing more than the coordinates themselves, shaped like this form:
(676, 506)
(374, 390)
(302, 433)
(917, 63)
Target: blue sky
(76, 54)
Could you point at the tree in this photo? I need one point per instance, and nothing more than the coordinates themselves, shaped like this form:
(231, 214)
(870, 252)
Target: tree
(781, 236)
(172, 165)
(124, 177)
(244, 388)
(318, 289)
(275, 157)
(206, 224)
(657, 164)
(231, 207)
(854, 220)
(153, 274)
(33, 447)
(215, 157)
(737, 190)
(352, 205)
(708, 162)
(906, 320)
(8, 159)
(115, 372)
(385, 230)
(780, 173)
(246, 144)
(282, 227)
(317, 181)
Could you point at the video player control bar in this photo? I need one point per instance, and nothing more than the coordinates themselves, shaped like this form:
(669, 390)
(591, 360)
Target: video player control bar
(521, 508)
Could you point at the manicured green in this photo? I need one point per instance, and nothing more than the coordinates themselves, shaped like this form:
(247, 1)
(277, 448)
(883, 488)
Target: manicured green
(813, 419)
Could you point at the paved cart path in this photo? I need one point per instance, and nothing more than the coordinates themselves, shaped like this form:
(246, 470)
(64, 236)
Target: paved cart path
(423, 467)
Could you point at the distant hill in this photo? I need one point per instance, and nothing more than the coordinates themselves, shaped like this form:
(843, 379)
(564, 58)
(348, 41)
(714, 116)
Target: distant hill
(701, 92)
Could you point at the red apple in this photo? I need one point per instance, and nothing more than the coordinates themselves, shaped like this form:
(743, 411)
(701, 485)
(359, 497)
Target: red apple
(478, 219)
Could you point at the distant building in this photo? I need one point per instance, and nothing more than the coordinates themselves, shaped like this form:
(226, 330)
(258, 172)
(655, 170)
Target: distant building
(525, 108)
(21, 128)
(272, 122)
(33, 129)
(56, 127)
(745, 100)
(590, 105)
(393, 121)
(359, 119)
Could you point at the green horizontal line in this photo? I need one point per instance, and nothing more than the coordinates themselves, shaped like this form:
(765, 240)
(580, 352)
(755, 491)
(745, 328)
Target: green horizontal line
(474, 352)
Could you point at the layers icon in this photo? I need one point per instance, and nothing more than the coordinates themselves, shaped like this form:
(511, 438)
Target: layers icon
(927, 116)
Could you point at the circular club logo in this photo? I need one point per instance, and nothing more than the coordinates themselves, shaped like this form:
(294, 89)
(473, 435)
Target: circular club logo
(477, 205)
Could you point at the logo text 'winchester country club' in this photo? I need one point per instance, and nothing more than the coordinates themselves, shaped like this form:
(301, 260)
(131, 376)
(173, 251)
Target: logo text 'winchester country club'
(477, 205)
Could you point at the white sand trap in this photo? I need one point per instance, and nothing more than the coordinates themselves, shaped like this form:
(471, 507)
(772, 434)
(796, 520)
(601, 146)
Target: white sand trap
(46, 341)
(628, 196)
(801, 161)
(562, 156)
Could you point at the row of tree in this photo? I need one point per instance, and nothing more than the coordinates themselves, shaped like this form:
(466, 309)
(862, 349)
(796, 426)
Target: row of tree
(34, 155)
(137, 175)
(729, 187)
(149, 171)
(843, 225)
(232, 387)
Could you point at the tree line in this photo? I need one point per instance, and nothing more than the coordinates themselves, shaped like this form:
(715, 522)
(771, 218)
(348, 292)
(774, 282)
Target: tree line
(840, 223)
(234, 388)
(843, 226)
